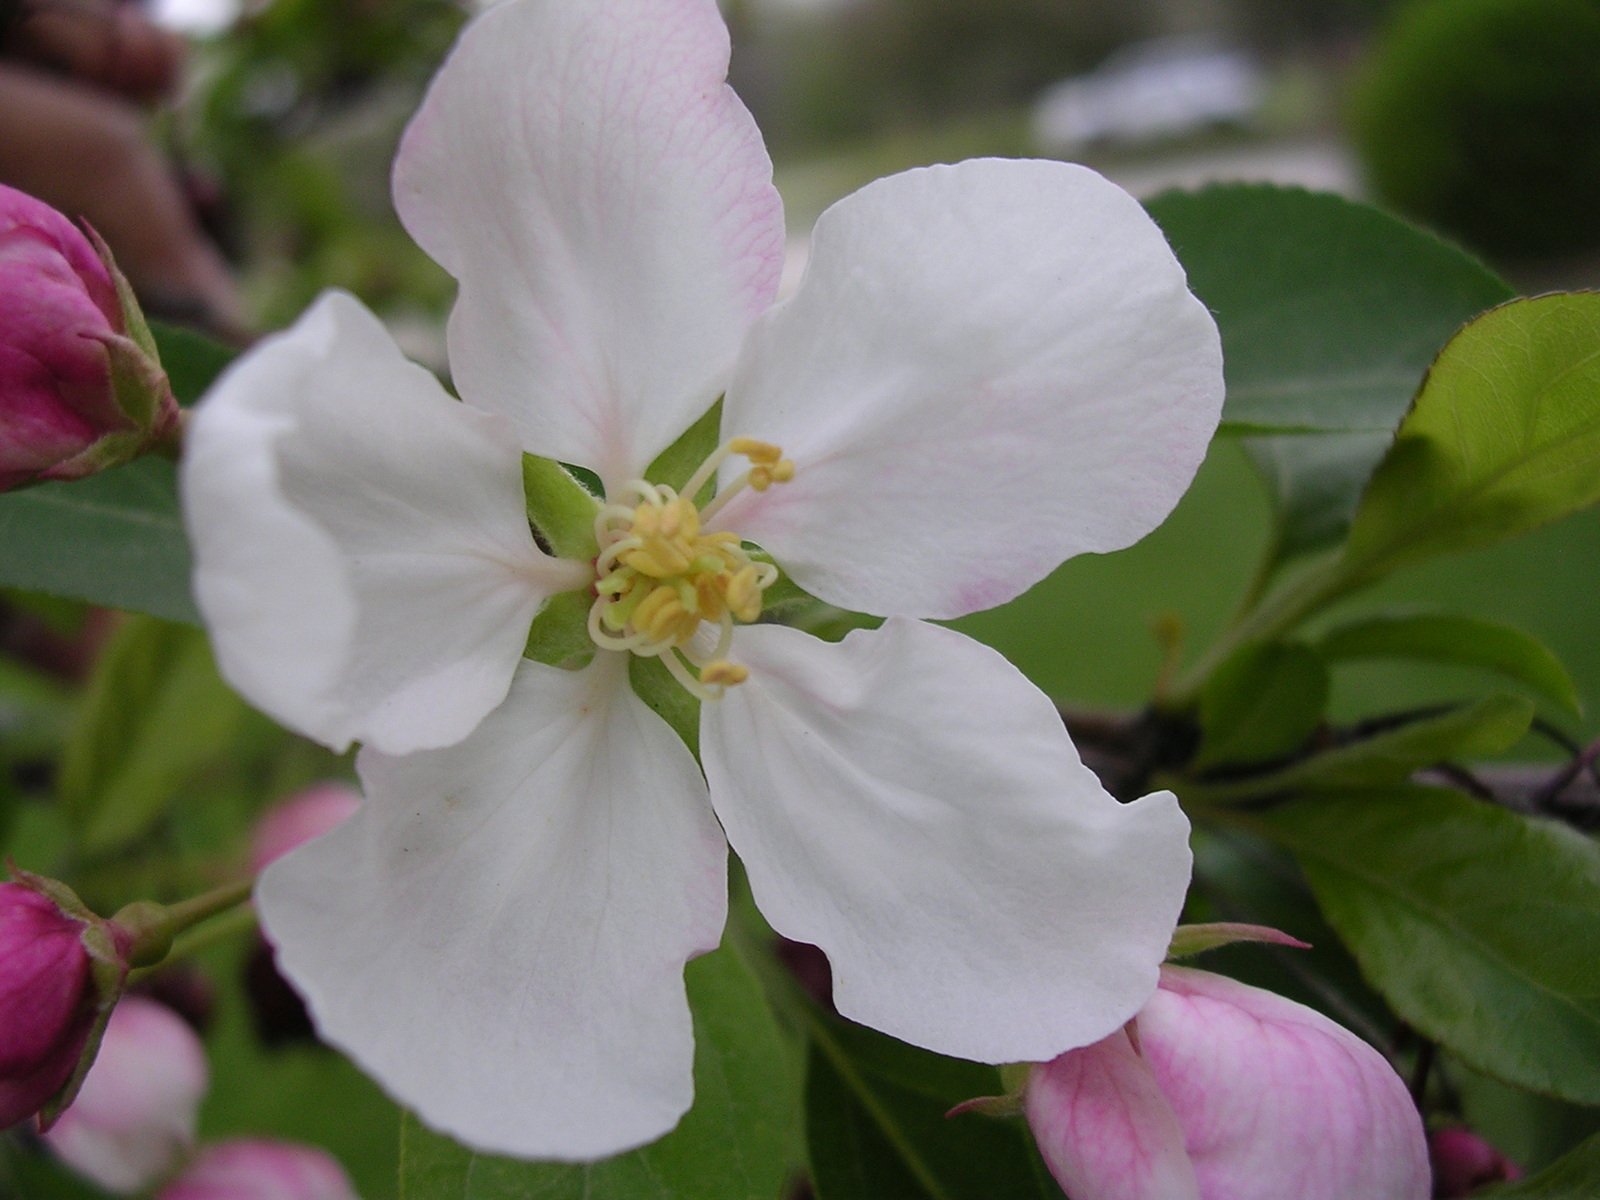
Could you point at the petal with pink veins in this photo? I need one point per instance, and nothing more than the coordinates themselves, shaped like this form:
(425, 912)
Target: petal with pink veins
(1277, 1100)
(1105, 1129)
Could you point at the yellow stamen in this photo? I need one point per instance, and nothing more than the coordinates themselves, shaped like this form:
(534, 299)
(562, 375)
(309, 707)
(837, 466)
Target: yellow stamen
(723, 673)
(659, 578)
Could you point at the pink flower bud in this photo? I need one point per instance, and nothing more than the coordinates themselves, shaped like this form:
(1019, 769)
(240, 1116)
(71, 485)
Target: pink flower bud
(1219, 1091)
(48, 1001)
(305, 815)
(1463, 1162)
(79, 385)
(260, 1170)
(134, 1118)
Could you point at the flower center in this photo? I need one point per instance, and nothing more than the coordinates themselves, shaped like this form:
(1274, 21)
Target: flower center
(664, 588)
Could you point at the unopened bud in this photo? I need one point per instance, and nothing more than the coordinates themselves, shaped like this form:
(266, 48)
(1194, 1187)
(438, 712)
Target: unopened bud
(261, 1170)
(61, 969)
(81, 386)
(134, 1118)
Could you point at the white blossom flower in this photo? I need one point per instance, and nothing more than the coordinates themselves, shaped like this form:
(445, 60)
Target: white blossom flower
(987, 368)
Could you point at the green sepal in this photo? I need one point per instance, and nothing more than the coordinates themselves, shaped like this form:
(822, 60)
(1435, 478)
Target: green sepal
(561, 509)
(108, 987)
(676, 465)
(133, 322)
(559, 636)
(1189, 940)
(667, 698)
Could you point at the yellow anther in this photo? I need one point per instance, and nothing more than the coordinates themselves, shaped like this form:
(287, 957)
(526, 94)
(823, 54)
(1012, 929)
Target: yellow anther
(783, 472)
(758, 452)
(743, 594)
(724, 673)
(659, 559)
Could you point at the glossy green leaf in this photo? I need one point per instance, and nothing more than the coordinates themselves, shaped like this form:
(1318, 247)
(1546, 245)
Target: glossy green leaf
(1486, 727)
(732, 1145)
(155, 714)
(1261, 704)
(1329, 310)
(1315, 483)
(1504, 437)
(1477, 924)
(114, 539)
(1574, 1176)
(1469, 641)
(877, 1129)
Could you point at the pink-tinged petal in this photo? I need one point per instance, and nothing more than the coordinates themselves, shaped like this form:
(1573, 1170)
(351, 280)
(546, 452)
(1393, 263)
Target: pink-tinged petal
(362, 553)
(908, 802)
(1275, 1099)
(1104, 1128)
(135, 1116)
(988, 368)
(607, 205)
(499, 934)
(253, 1169)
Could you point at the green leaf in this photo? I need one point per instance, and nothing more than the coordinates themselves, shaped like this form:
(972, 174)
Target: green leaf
(155, 714)
(1504, 437)
(1470, 641)
(1329, 310)
(732, 1145)
(191, 360)
(114, 539)
(1261, 704)
(877, 1129)
(1315, 483)
(1574, 1176)
(1477, 924)
(1488, 726)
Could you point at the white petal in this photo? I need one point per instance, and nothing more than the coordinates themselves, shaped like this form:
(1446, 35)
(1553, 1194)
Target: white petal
(499, 934)
(607, 205)
(362, 554)
(988, 368)
(907, 801)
